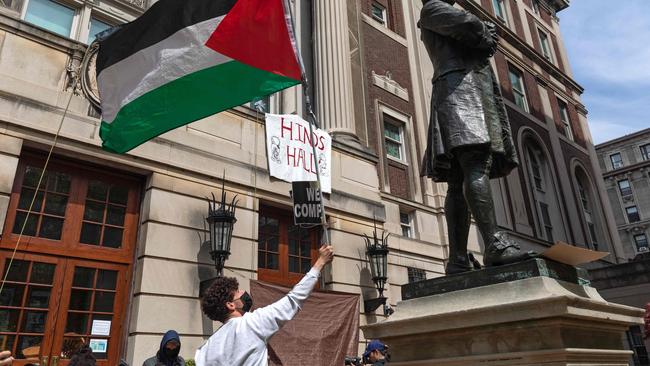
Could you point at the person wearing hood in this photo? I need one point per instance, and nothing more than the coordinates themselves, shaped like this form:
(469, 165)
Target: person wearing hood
(167, 355)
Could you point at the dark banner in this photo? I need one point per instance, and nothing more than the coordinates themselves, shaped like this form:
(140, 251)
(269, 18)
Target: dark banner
(322, 334)
(306, 203)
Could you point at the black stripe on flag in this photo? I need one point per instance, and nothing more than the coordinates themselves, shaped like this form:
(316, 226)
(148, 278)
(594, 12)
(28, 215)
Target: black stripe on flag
(162, 20)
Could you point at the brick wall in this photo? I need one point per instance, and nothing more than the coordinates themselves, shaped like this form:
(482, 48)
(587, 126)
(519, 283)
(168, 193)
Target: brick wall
(394, 10)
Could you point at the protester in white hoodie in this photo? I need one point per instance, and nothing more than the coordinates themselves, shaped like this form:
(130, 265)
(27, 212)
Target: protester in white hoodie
(242, 339)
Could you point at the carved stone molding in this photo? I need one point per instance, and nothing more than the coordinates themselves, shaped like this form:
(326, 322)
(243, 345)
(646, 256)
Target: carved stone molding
(387, 83)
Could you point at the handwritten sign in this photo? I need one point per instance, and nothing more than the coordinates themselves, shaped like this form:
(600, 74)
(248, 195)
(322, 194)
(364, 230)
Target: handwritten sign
(290, 150)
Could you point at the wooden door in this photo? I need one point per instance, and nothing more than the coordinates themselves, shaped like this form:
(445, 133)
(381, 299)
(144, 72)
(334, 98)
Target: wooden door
(92, 304)
(28, 305)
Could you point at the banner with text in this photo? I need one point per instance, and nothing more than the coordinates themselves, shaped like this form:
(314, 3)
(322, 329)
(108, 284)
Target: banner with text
(290, 153)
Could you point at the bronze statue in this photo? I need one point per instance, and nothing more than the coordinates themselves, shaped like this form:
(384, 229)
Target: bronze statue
(469, 139)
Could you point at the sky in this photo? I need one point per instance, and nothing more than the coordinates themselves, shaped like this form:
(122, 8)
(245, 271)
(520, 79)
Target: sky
(608, 42)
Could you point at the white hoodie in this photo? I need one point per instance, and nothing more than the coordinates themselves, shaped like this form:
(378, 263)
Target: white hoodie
(242, 341)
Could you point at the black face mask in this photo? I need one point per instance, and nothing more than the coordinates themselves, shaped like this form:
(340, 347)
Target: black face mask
(172, 353)
(247, 300)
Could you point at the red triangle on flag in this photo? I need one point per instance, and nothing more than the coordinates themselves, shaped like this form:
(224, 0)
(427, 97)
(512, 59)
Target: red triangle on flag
(255, 33)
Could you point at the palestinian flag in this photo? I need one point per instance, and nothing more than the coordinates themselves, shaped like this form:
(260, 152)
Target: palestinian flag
(184, 60)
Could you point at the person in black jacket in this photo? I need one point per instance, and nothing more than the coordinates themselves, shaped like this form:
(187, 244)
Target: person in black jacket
(168, 354)
(469, 139)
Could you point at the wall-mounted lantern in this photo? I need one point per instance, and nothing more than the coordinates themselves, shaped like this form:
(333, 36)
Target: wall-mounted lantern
(221, 220)
(377, 253)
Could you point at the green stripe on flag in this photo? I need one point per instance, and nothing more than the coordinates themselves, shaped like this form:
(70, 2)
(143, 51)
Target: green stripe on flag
(188, 99)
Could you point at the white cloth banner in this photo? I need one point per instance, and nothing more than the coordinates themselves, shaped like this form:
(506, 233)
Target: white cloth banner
(290, 153)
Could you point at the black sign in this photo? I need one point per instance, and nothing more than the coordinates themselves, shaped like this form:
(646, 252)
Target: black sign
(307, 208)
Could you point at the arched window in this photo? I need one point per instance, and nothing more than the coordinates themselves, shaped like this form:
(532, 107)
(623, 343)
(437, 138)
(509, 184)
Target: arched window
(590, 209)
(546, 210)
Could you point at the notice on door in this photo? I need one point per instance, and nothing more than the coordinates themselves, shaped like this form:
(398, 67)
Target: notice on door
(98, 345)
(101, 328)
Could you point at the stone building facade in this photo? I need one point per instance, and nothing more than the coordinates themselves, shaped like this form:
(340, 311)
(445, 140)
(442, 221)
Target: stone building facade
(115, 241)
(625, 163)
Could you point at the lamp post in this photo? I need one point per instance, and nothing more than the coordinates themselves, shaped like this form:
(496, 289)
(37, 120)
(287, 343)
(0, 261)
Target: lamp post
(221, 219)
(377, 253)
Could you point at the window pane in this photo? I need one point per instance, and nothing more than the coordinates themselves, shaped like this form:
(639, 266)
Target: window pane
(8, 322)
(96, 26)
(39, 297)
(305, 249)
(393, 149)
(392, 131)
(272, 244)
(261, 259)
(55, 204)
(83, 277)
(77, 323)
(106, 279)
(293, 265)
(30, 228)
(119, 195)
(14, 5)
(28, 346)
(18, 270)
(94, 211)
(112, 237)
(97, 190)
(26, 197)
(306, 265)
(12, 295)
(32, 175)
(272, 261)
(51, 228)
(80, 299)
(90, 233)
(293, 247)
(115, 215)
(42, 273)
(34, 322)
(104, 301)
(58, 182)
(51, 16)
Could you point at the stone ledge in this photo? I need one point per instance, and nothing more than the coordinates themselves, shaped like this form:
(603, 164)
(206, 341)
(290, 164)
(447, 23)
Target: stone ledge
(537, 267)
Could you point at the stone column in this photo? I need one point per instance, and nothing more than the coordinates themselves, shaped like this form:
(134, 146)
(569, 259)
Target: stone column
(333, 76)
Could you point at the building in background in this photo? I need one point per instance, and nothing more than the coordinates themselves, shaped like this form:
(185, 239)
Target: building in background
(114, 246)
(625, 163)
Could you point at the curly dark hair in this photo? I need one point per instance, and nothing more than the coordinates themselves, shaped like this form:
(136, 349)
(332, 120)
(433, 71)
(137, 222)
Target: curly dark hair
(216, 296)
(84, 357)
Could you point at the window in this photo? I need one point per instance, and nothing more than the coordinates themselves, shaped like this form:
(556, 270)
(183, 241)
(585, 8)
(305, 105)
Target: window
(641, 242)
(76, 208)
(393, 139)
(632, 214)
(546, 221)
(416, 274)
(15, 5)
(96, 27)
(585, 200)
(500, 10)
(379, 13)
(545, 44)
(624, 187)
(518, 90)
(285, 251)
(51, 15)
(566, 122)
(536, 171)
(536, 7)
(617, 161)
(405, 223)
(645, 152)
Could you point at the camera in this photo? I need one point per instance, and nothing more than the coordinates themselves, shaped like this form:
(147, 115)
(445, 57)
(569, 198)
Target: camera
(355, 361)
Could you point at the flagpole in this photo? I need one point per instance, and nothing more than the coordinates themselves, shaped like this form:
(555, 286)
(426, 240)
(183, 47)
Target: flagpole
(310, 111)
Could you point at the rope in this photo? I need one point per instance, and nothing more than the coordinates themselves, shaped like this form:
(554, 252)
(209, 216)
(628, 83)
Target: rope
(38, 186)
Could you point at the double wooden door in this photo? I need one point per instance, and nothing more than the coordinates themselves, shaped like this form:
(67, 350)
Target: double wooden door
(68, 283)
(50, 306)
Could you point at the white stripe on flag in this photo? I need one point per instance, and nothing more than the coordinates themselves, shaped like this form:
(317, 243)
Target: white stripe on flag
(181, 54)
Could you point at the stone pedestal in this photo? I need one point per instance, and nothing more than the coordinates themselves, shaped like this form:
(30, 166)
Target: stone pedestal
(533, 313)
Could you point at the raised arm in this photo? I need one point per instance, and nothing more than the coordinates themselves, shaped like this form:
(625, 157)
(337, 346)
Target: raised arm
(269, 319)
(444, 19)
